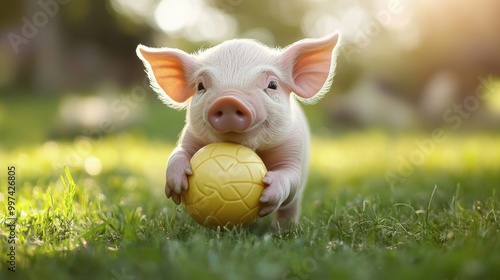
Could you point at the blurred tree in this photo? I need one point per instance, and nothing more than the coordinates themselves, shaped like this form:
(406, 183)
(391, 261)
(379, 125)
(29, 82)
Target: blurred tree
(427, 54)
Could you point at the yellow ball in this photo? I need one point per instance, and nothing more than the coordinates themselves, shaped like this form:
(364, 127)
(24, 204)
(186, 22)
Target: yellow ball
(226, 185)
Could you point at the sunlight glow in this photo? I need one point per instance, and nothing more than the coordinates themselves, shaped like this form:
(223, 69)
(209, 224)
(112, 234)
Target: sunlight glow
(93, 166)
(172, 16)
(194, 20)
(322, 20)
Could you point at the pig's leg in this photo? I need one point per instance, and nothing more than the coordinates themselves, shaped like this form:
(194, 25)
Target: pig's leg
(290, 213)
(282, 193)
(288, 166)
(284, 182)
(178, 166)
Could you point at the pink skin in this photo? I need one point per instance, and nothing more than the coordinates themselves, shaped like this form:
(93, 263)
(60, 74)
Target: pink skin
(244, 92)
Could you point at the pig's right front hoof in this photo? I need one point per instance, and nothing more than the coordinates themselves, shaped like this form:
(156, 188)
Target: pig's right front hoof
(176, 183)
(171, 194)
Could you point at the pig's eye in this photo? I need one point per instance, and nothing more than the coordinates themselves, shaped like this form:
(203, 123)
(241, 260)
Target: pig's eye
(200, 86)
(272, 85)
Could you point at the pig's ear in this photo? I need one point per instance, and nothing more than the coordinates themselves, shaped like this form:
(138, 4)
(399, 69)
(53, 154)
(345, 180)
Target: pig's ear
(311, 64)
(168, 70)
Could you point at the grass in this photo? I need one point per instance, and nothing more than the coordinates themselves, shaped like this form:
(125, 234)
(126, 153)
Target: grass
(442, 221)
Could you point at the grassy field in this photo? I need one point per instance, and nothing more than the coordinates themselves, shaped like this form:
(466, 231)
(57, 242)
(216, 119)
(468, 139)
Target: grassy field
(95, 208)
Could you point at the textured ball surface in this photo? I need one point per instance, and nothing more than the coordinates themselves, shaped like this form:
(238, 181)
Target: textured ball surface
(226, 185)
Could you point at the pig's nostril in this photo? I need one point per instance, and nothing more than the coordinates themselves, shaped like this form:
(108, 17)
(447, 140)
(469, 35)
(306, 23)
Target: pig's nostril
(219, 114)
(239, 113)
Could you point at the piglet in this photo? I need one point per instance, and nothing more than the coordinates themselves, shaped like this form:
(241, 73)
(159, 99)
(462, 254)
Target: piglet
(244, 92)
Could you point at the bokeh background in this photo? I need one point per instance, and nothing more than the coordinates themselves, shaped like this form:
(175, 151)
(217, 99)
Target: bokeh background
(68, 68)
(405, 147)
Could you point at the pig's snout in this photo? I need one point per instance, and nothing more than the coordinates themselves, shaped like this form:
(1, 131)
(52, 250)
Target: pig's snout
(229, 114)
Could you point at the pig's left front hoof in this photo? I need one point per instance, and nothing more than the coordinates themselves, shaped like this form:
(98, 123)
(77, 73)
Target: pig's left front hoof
(274, 193)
